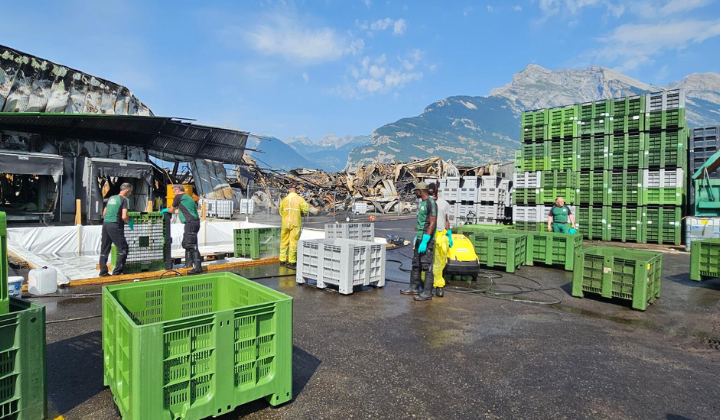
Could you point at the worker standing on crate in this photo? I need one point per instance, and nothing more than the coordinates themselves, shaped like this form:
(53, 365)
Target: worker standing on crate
(443, 240)
(292, 208)
(424, 246)
(558, 217)
(189, 217)
(115, 216)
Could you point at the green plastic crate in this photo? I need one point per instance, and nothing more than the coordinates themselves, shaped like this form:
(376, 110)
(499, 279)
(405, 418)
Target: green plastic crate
(562, 114)
(530, 226)
(560, 155)
(22, 362)
(195, 347)
(704, 259)
(592, 153)
(626, 151)
(627, 124)
(624, 188)
(525, 195)
(666, 149)
(626, 141)
(663, 196)
(534, 118)
(624, 224)
(549, 195)
(500, 249)
(534, 134)
(553, 248)
(4, 271)
(559, 179)
(532, 157)
(254, 242)
(666, 120)
(591, 188)
(468, 230)
(518, 160)
(632, 105)
(563, 130)
(662, 225)
(591, 222)
(618, 273)
(595, 127)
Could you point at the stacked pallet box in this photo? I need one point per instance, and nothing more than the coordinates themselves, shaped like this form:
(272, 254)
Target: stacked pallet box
(622, 162)
(704, 142)
(148, 242)
(476, 199)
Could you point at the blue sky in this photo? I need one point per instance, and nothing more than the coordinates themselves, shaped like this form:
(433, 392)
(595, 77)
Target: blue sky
(285, 68)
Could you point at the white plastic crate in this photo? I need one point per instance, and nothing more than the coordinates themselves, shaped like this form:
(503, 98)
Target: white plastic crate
(453, 182)
(701, 228)
(491, 195)
(247, 206)
(450, 193)
(537, 213)
(354, 231)
(664, 178)
(490, 181)
(468, 191)
(341, 262)
(507, 186)
(527, 179)
(224, 209)
(662, 101)
(491, 212)
(360, 208)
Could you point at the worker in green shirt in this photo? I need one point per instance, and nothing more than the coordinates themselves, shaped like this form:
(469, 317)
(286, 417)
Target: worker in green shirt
(189, 217)
(558, 217)
(424, 246)
(115, 216)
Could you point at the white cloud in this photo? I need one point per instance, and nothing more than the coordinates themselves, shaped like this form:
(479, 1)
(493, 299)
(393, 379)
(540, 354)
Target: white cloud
(381, 24)
(377, 76)
(399, 27)
(368, 3)
(573, 7)
(489, 8)
(467, 11)
(305, 77)
(677, 6)
(517, 8)
(287, 37)
(633, 45)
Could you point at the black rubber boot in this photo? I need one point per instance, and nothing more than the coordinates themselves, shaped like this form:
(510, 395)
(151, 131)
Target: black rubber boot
(120, 265)
(439, 292)
(197, 262)
(413, 290)
(188, 258)
(427, 292)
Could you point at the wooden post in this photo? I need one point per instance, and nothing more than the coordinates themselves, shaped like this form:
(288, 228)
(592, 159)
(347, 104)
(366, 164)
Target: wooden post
(78, 212)
(149, 206)
(203, 225)
(203, 210)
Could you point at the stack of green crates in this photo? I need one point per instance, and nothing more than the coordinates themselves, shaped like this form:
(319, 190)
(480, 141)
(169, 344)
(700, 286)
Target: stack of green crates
(468, 230)
(705, 259)
(553, 248)
(618, 273)
(4, 272)
(148, 243)
(195, 347)
(505, 249)
(613, 150)
(255, 242)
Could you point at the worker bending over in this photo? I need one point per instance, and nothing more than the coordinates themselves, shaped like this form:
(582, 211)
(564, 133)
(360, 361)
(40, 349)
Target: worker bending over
(115, 216)
(189, 217)
(292, 208)
(424, 246)
(443, 240)
(559, 216)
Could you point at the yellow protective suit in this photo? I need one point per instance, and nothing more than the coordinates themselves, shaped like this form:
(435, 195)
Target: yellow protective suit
(292, 208)
(442, 244)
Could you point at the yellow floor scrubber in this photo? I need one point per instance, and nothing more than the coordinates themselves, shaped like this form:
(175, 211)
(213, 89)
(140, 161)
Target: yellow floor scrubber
(462, 259)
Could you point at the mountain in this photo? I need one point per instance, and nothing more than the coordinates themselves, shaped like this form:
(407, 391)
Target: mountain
(330, 153)
(277, 154)
(473, 130)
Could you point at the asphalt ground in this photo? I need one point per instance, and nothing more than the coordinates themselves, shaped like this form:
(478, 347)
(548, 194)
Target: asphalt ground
(378, 354)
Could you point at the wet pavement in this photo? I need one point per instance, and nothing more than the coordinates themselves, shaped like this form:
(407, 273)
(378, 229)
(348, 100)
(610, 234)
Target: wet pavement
(378, 354)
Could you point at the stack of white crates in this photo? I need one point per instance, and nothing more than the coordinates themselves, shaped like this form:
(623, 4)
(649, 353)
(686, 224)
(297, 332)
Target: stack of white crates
(347, 257)
(219, 209)
(360, 207)
(491, 200)
(476, 199)
(247, 206)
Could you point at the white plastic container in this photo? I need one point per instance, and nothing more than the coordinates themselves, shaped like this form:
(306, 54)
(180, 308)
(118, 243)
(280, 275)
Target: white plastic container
(15, 286)
(42, 281)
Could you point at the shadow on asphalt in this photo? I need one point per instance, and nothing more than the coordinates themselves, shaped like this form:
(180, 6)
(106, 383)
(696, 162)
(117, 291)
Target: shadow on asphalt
(706, 283)
(304, 367)
(68, 364)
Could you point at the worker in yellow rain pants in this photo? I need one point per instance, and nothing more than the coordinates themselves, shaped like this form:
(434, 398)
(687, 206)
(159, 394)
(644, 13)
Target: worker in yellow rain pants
(292, 208)
(443, 240)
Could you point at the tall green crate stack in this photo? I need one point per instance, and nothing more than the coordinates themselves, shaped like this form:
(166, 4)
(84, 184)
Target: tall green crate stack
(256, 242)
(628, 157)
(149, 243)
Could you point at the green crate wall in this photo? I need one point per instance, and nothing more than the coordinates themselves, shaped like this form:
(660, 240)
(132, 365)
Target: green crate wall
(632, 105)
(534, 118)
(591, 188)
(595, 127)
(518, 160)
(195, 347)
(500, 249)
(534, 134)
(627, 124)
(704, 259)
(559, 179)
(662, 225)
(624, 188)
(560, 155)
(468, 230)
(549, 195)
(665, 120)
(592, 153)
(626, 151)
(618, 273)
(667, 149)
(4, 271)
(254, 242)
(22, 361)
(663, 196)
(532, 157)
(563, 122)
(553, 248)
(624, 224)
(530, 226)
(525, 195)
(591, 222)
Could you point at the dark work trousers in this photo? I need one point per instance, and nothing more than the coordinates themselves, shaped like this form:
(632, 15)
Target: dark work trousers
(190, 237)
(422, 262)
(113, 233)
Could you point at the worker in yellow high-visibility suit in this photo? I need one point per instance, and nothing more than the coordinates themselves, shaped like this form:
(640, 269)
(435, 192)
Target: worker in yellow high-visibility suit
(292, 208)
(443, 240)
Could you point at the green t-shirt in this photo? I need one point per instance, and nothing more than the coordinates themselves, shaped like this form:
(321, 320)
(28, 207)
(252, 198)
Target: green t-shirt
(426, 209)
(187, 207)
(113, 210)
(560, 214)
